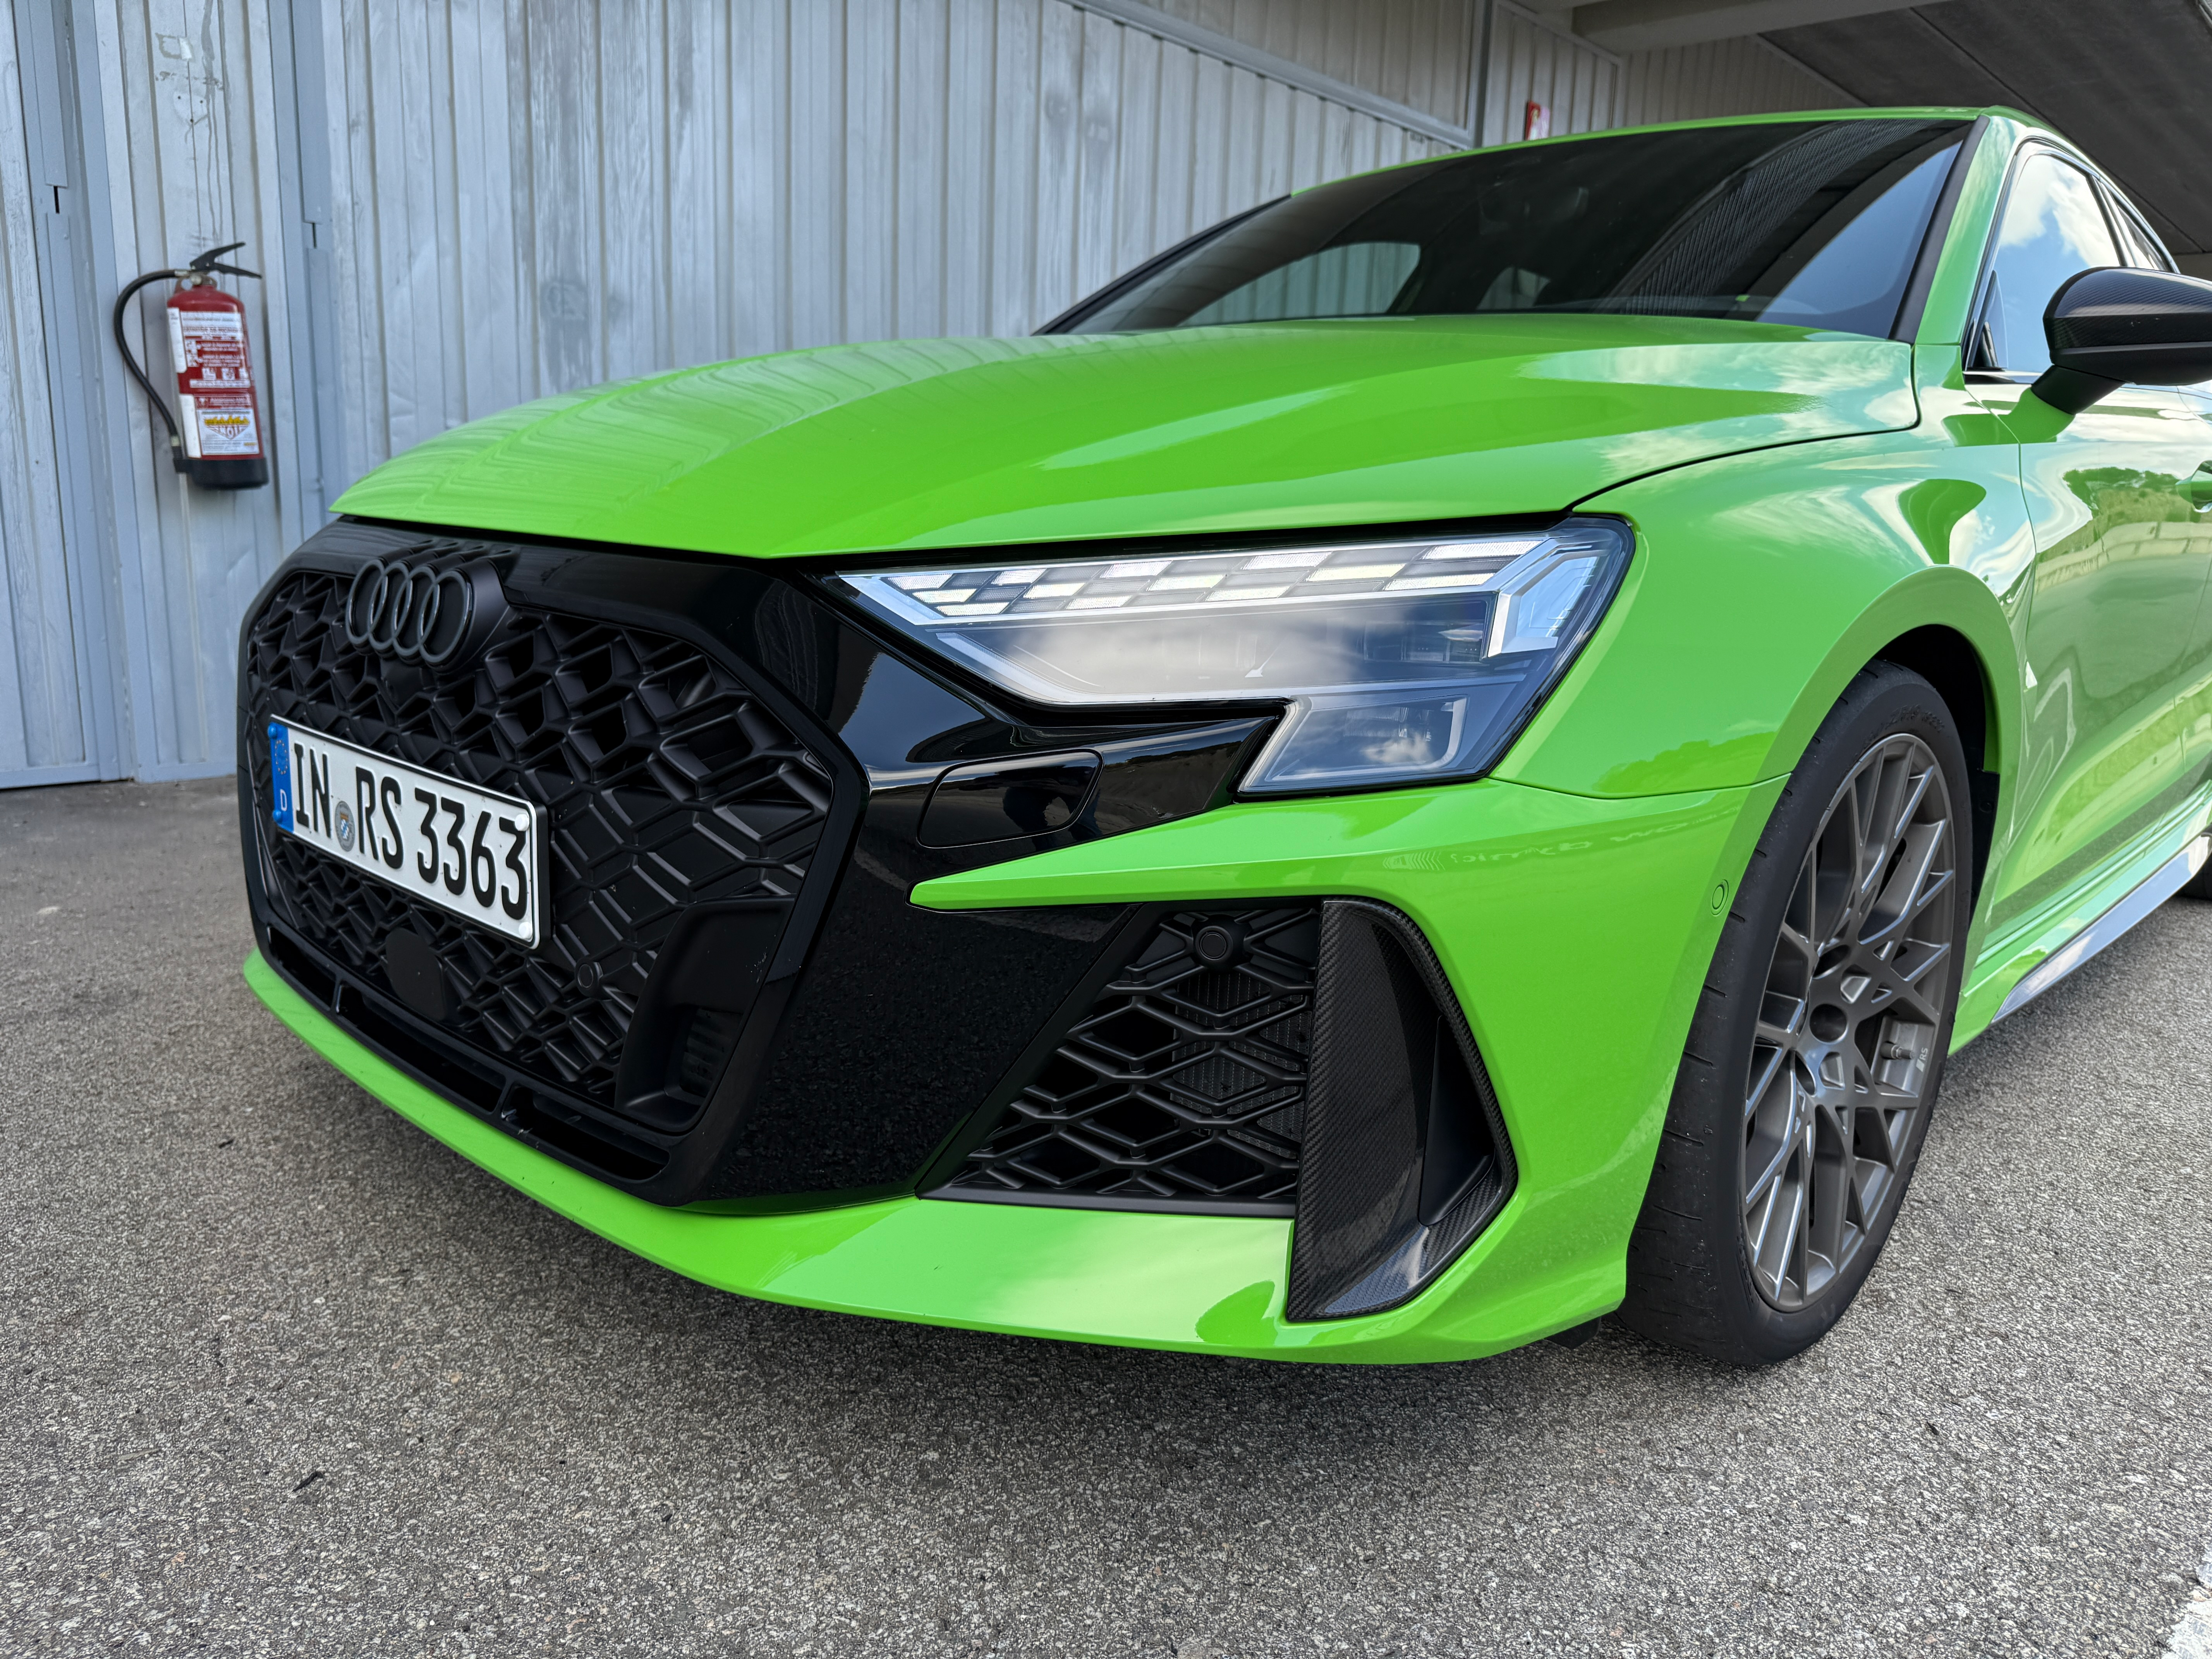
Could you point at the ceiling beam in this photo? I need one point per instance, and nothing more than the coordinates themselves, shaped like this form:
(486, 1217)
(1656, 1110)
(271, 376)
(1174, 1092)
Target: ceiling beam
(1648, 24)
(1138, 14)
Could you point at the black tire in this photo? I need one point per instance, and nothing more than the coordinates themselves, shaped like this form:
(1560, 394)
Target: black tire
(1835, 1083)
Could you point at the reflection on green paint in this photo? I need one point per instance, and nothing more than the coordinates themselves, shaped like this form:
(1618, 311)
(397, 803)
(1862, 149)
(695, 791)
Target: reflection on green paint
(1935, 506)
(941, 443)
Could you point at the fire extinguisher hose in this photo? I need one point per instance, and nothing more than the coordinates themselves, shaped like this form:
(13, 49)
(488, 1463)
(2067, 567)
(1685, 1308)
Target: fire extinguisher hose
(123, 345)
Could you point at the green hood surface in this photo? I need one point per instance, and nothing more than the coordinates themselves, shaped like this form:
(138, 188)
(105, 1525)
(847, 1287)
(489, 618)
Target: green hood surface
(960, 443)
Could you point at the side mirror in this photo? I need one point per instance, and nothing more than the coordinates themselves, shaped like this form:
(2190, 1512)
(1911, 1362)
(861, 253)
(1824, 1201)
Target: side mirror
(2111, 326)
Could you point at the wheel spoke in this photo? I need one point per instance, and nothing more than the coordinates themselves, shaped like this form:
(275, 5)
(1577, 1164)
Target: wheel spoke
(1916, 791)
(1922, 963)
(1762, 1079)
(1826, 1222)
(1868, 848)
(1757, 1192)
(1802, 1241)
(1910, 870)
(1834, 864)
(1781, 1227)
(1893, 993)
(1933, 888)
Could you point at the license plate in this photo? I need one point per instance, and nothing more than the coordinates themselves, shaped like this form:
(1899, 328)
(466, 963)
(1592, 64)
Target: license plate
(464, 849)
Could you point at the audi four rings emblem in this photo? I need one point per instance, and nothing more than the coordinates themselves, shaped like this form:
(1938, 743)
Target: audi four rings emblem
(412, 611)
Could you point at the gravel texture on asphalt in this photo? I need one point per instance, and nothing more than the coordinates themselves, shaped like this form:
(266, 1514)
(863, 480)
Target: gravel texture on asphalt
(285, 1376)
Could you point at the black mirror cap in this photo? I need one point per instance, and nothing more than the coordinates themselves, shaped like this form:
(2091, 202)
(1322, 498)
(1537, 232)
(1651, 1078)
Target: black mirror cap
(2110, 326)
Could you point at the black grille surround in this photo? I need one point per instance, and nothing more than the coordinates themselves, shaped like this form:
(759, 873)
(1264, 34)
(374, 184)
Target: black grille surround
(670, 779)
(1181, 1084)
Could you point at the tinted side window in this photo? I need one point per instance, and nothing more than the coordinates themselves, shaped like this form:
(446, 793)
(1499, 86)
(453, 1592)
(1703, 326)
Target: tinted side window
(2053, 227)
(2136, 244)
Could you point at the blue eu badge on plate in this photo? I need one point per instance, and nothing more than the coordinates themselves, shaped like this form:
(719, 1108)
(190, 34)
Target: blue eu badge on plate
(280, 774)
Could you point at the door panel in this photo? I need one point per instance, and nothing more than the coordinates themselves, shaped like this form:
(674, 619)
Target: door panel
(2117, 647)
(2114, 636)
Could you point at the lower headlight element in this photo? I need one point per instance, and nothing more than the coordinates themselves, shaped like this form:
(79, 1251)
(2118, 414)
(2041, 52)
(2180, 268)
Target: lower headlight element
(1402, 661)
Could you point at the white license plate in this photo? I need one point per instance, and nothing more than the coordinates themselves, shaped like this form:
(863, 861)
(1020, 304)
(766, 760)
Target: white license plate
(446, 842)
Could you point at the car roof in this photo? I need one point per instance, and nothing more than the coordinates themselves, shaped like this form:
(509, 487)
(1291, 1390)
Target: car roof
(1854, 112)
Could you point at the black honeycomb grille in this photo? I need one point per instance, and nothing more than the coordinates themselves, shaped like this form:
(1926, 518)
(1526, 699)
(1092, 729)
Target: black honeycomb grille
(1183, 1084)
(666, 782)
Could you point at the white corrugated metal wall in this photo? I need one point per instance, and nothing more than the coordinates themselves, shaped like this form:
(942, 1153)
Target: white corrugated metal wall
(144, 132)
(1721, 77)
(525, 205)
(1584, 89)
(42, 732)
(189, 142)
(1415, 52)
(1421, 53)
(459, 205)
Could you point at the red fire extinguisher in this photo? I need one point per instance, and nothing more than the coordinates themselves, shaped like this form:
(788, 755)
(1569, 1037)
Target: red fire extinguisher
(220, 445)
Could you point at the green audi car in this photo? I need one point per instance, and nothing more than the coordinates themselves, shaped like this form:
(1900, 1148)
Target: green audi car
(1447, 758)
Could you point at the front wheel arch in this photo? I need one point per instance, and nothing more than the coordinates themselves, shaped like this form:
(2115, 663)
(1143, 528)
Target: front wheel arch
(1949, 661)
(1940, 618)
(1945, 626)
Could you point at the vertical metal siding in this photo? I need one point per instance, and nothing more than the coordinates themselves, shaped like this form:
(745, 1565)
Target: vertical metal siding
(187, 141)
(41, 715)
(1531, 61)
(1587, 89)
(635, 184)
(1721, 77)
(1418, 52)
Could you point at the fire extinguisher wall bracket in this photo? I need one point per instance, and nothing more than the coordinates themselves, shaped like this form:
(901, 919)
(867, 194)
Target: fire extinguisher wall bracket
(219, 445)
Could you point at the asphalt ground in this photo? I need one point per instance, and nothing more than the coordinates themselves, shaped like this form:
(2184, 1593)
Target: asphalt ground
(284, 1377)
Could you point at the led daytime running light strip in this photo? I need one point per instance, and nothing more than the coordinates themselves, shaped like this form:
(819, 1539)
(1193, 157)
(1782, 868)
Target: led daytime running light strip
(940, 599)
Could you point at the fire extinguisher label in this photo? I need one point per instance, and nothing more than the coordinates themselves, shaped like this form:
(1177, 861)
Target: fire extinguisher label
(215, 383)
(221, 424)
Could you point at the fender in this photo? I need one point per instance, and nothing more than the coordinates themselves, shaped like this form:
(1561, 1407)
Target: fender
(1939, 597)
(1762, 582)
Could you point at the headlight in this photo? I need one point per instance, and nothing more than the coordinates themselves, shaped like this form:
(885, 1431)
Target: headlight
(1398, 661)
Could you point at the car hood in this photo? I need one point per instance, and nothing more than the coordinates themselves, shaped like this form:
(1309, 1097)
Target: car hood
(948, 443)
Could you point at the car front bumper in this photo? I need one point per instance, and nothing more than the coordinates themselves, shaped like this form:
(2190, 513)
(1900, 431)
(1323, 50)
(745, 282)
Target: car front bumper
(1575, 932)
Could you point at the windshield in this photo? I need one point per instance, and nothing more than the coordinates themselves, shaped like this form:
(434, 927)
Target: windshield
(1815, 223)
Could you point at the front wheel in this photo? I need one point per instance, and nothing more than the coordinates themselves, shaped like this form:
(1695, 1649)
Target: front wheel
(1819, 1039)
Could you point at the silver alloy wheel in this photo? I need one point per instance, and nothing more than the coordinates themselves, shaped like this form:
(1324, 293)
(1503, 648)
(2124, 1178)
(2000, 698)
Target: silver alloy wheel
(1854, 1000)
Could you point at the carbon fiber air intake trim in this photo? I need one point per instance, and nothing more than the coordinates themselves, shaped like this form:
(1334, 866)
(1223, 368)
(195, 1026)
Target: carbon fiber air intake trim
(1405, 1157)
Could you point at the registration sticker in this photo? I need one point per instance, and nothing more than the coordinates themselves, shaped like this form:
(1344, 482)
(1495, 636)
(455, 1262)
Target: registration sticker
(476, 854)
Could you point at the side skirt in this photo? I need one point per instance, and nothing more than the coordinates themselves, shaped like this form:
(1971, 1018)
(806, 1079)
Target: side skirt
(2160, 885)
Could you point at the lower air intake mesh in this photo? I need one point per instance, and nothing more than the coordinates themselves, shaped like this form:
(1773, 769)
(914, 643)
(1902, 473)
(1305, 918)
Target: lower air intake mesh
(1183, 1084)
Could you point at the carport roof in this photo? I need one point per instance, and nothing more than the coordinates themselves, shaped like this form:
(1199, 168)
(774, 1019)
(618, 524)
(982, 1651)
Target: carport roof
(2126, 80)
